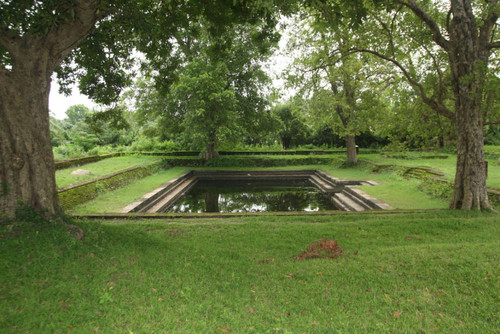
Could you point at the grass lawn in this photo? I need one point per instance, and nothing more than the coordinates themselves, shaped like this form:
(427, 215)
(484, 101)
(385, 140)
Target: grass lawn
(116, 200)
(434, 272)
(446, 166)
(101, 168)
(400, 193)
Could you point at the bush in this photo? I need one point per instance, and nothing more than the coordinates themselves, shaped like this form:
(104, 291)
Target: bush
(144, 144)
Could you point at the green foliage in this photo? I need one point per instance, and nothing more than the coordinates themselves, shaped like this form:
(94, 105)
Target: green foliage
(293, 130)
(342, 90)
(216, 95)
(89, 132)
(437, 189)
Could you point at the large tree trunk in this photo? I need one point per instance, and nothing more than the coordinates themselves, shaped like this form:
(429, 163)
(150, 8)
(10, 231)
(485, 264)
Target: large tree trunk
(468, 59)
(352, 154)
(28, 172)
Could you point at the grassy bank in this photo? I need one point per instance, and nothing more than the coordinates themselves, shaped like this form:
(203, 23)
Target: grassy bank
(446, 166)
(428, 272)
(101, 168)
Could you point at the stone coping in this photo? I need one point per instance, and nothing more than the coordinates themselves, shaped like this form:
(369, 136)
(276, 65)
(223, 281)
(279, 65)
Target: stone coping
(141, 215)
(342, 194)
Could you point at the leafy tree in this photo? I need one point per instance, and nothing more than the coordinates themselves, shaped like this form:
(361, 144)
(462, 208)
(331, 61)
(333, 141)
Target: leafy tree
(294, 130)
(217, 94)
(39, 37)
(458, 39)
(336, 82)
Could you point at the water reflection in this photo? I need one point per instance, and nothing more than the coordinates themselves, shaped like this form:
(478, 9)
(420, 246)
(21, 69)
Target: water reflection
(251, 197)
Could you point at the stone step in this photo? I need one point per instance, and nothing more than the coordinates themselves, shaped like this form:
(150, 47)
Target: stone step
(322, 184)
(370, 202)
(348, 202)
(360, 197)
(170, 197)
(153, 196)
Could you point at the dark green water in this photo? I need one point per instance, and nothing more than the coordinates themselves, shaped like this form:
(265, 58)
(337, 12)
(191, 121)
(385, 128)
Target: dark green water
(212, 196)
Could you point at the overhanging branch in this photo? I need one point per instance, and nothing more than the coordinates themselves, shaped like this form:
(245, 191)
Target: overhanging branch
(429, 21)
(486, 30)
(435, 105)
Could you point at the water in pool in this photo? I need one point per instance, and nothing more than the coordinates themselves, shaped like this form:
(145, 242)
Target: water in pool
(252, 196)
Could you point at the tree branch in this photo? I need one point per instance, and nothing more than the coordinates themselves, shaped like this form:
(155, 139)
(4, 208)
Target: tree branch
(494, 45)
(429, 21)
(435, 105)
(67, 36)
(485, 32)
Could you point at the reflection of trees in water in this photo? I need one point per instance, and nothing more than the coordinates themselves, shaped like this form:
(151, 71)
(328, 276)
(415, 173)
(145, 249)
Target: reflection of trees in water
(243, 200)
(211, 201)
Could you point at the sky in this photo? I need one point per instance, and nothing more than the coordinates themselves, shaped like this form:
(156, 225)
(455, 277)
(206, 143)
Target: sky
(58, 103)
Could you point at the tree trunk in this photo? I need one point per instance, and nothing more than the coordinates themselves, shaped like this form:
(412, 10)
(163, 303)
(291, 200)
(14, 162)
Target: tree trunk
(211, 149)
(352, 154)
(468, 61)
(28, 173)
(211, 202)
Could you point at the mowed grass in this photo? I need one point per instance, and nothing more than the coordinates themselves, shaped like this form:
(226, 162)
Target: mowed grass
(101, 168)
(114, 201)
(446, 166)
(434, 272)
(400, 193)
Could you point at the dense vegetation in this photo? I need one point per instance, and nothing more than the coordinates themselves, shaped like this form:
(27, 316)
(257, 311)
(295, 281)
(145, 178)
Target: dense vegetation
(421, 73)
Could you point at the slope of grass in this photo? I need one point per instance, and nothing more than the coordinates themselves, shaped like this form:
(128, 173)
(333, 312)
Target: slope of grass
(446, 166)
(101, 168)
(405, 273)
(116, 200)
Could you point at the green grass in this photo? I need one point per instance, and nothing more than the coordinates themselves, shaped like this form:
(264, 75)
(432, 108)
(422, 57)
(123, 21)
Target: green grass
(116, 200)
(492, 149)
(446, 166)
(101, 168)
(404, 273)
(400, 193)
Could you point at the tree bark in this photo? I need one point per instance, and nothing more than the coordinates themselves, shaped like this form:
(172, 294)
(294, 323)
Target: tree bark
(211, 148)
(28, 172)
(352, 154)
(468, 62)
